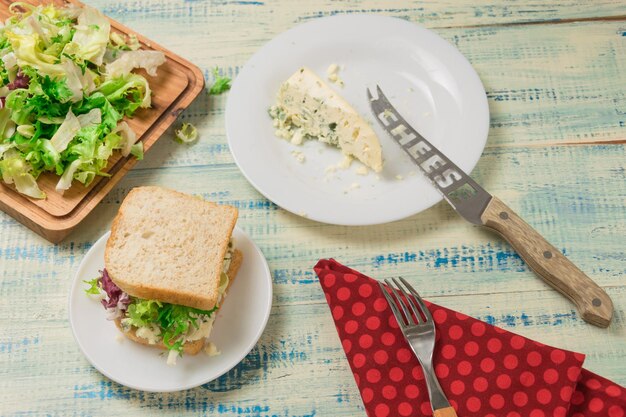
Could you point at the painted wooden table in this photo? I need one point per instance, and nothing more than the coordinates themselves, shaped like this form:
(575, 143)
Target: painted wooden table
(555, 75)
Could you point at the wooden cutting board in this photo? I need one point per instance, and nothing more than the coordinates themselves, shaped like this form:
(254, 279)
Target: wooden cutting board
(177, 84)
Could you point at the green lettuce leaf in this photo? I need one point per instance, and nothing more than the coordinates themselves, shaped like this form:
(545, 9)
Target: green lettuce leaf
(127, 61)
(29, 54)
(221, 84)
(127, 93)
(186, 134)
(66, 132)
(16, 171)
(94, 287)
(91, 37)
(142, 313)
(174, 321)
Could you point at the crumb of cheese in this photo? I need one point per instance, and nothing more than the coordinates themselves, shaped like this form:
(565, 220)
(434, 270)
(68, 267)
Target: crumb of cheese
(299, 156)
(345, 163)
(211, 350)
(171, 357)
(362, 170)
(333, 75)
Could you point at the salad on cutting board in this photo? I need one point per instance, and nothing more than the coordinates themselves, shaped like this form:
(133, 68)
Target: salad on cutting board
(66, 84)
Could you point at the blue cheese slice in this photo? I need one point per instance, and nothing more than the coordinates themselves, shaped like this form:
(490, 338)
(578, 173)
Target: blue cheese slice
(307, 108)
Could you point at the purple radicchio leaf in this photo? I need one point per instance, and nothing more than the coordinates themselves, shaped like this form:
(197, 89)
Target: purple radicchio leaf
(21, 81)
(116, 297)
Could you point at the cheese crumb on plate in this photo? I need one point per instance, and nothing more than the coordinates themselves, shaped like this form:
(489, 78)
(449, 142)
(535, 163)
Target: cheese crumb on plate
(299, 156)
(211, 350)
(332, 74)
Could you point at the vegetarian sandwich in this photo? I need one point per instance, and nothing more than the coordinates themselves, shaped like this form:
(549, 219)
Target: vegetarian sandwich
(168, 264)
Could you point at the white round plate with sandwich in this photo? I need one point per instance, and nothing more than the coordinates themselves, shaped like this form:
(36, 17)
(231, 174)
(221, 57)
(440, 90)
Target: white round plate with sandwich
(239, 324)
(426, 78)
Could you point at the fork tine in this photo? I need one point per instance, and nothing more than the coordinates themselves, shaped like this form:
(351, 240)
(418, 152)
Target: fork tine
(419, 300)
(369, 95)
(393, 306)
(409, 318)
(414, 307)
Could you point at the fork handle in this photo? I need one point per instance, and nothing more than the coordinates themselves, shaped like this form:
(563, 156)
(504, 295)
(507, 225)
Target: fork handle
(438, 399)
(445, 412)
(594, 304)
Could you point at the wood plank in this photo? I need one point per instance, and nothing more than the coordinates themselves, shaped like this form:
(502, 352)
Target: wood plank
(279, 15)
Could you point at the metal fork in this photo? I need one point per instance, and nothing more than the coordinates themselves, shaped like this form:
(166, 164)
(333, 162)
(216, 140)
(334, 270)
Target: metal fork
(418, 328)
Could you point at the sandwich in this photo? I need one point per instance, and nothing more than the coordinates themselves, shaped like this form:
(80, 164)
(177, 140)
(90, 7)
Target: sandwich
(169, 262)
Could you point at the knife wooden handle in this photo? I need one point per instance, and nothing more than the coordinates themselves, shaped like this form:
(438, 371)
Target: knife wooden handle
(593, 303)
(445, 412)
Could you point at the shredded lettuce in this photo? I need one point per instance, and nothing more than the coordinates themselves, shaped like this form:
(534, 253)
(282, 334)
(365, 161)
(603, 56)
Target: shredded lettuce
(66, 83)
(91, 37)
(186, 134)
(127, 92)
(121, 43)
(66, 179)
(128, 137)
(130, 60)
(174, 321)
(66, 132)
(16, 171)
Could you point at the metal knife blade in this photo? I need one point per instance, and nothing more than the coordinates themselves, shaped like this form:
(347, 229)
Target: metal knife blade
(467, 197)
(479, 207)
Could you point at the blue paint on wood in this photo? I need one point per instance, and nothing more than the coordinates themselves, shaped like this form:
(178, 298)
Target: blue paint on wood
(245, 373)
(215, 195)
(20, 345)
(482, 258)
(253, 204)
(248, 3)
(401, 13)
(523, 319)
(57, 254)
(104, 390)
(294, 276)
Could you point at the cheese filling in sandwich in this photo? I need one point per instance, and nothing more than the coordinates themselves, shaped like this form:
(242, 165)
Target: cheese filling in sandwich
(168, 264)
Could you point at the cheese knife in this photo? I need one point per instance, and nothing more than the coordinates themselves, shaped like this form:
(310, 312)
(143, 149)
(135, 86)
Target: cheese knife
(479, 207)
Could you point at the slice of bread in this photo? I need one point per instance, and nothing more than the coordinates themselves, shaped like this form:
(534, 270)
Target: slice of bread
(190, 348)
(169, 246)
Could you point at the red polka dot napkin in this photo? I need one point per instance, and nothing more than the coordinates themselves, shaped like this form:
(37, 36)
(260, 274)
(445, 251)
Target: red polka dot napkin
(484, 370)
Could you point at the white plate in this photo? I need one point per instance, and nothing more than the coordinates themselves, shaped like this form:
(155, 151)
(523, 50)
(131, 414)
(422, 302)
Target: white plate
(238, 326)
(432, 85)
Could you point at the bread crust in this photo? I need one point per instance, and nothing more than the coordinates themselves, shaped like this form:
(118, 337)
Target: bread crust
(203, 301)
(190, 348)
